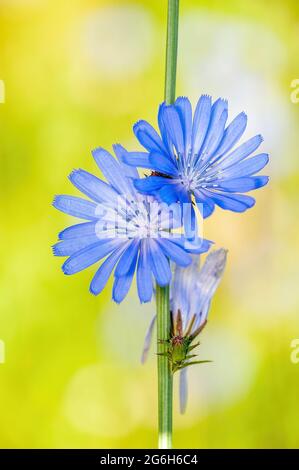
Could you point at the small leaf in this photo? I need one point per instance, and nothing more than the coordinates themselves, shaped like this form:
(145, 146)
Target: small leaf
(192, 363)
(190, 356)
(191, 323)
(194, 346)
(199, 329)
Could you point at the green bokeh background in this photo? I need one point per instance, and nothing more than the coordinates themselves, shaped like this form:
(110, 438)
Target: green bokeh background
(77, 75)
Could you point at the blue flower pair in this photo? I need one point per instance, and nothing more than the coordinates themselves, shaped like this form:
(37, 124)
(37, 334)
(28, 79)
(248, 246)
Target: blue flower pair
(127, 223)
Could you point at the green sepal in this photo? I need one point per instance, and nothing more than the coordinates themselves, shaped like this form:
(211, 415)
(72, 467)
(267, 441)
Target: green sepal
(192, 363)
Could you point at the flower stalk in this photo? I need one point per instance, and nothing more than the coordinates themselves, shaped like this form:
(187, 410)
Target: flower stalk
(171, 51)
(165, 380)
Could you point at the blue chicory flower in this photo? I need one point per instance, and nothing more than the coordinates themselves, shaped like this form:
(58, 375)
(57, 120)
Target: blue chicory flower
(194, 159)
(130, 230)
(191, 290)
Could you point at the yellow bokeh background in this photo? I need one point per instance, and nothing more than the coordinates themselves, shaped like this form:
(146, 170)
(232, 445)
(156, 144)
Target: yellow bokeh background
(77, 75)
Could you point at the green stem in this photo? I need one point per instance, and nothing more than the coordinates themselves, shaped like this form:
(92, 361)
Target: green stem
(171, 50)
(162, 293)
(164, 372)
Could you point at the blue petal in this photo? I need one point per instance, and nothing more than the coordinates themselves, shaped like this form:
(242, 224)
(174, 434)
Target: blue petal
(168, 193)
(207, 208)
(200, 245)
(125, 262)
(232, 202)
(88, 256)
(73, 245)
(201, 122)
(187, 211)
(144, 274)
(112, 170)
(148, 340)
(159, 264)
(162, 164)
(189, 221)
(102, 275)
(182, 289)
(174, 252)
(137, 159)
(122, 284)
(165, 135)
(205, 204)
(184, 195)
(149, 184)
(121, 154)
(247, 167)
(77, 231)
(232, 134)
(184, 109)
(239, 153)
(92, 186)
(76, 206)
(148, 137)
(216, 127)
(242, 185)
(183, 390)
(174, 128)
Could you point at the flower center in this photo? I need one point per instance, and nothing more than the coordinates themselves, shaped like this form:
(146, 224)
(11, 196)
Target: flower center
(142, 219)
(193, 177)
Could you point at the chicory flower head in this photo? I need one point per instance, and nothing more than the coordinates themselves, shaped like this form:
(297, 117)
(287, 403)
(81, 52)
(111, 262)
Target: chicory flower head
(191, 290)
(194, 159)
(130, 230)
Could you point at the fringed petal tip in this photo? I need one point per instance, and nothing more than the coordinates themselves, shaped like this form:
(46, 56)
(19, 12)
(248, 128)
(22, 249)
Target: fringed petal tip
(56, 250)
(97, 150)
(119, 149)
(144, 301)
(92, 291)
(206, 95)
(224, 101)
(198, 246)
(163, 283)
(61, 234)
(260, 137)
(73, 174)
(138, 124)
(55, 202)
(116, 300)
(65, 268)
